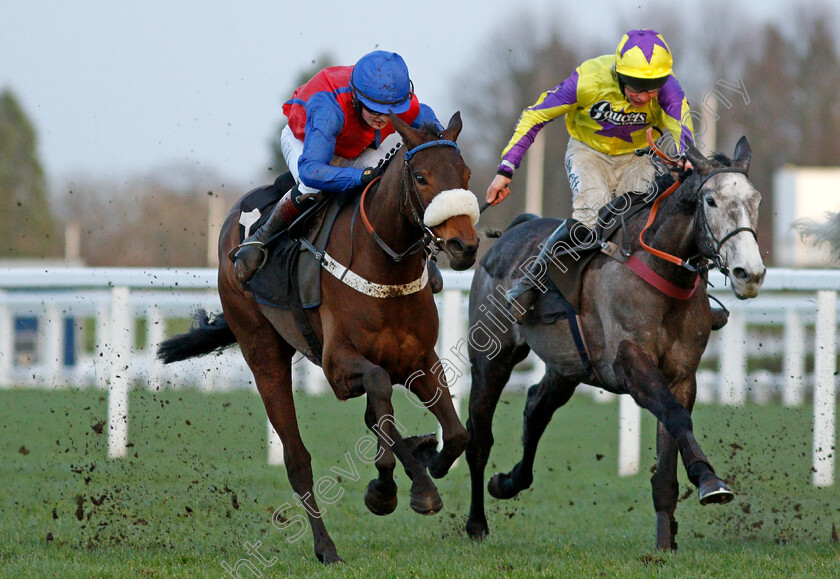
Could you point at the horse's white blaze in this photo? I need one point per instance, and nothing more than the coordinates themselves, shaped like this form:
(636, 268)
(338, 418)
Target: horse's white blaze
(737, 206)
(450, 203)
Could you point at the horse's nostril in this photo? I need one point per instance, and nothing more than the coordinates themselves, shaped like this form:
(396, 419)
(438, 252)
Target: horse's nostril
(741, 274)
(455, 246)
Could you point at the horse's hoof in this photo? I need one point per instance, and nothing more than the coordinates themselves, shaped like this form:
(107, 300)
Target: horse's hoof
(714, 491)
(477, 531)
(500, 486)
(380, 499)
(426, 502)
(329, 558)
(423, 447)
(666, 532)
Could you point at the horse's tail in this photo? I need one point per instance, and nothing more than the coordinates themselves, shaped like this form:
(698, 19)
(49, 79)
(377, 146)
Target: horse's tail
(206, 336)
(492, 233)
(826, 232)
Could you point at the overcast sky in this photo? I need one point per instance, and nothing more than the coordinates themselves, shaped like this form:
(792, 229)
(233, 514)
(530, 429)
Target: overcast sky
(116, 89)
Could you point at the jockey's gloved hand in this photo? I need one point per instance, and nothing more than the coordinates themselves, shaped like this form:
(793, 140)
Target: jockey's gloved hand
(370, 174)
(683, 166)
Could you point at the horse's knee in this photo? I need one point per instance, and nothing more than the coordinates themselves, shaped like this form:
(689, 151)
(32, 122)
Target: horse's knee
(458, 438)
(377, 383)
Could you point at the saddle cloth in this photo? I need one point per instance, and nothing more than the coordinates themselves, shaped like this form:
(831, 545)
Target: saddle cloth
(288, 263)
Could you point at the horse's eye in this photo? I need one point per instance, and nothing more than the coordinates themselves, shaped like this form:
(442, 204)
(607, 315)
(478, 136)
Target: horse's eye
(421, 180)
(710, 202)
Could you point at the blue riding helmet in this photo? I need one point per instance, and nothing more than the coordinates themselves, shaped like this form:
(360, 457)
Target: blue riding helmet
(380, 81)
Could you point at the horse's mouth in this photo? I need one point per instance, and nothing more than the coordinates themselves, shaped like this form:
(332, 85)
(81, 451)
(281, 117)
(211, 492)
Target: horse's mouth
(461, 255)
(746, 285)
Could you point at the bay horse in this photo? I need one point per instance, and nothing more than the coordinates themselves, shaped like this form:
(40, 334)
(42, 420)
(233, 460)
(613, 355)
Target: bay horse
(378, 333)
(639, 340)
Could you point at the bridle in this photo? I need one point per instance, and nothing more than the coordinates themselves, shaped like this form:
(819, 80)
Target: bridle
(714, 246)
(408, 196)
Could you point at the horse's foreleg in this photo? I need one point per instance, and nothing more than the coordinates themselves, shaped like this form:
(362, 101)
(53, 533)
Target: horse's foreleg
(665, 489)
(552, 392)
(381, 493)
(346, 364)
(643, 380)
(433, 393)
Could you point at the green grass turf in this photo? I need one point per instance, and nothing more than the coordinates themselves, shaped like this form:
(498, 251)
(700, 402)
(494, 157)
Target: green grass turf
(196, 487)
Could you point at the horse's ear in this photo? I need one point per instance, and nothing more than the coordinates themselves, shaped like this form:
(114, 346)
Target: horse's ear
(454, 129)
(405, 131)
(743, 152)
(700, 162)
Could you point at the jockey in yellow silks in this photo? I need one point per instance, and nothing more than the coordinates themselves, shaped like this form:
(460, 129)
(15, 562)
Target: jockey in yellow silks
(609, 102)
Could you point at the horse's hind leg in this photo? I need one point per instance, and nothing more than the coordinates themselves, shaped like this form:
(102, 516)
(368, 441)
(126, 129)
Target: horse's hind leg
(489, 377)
(270, 360)
(643, 380)
(552, 392)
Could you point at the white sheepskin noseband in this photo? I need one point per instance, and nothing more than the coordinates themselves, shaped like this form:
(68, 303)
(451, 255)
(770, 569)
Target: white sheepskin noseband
(450, 203)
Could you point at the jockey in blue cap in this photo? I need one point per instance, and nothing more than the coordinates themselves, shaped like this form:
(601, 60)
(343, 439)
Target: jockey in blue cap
(338, 137)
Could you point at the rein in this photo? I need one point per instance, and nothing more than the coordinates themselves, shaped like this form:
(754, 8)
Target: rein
(428, 235)
(655, 279)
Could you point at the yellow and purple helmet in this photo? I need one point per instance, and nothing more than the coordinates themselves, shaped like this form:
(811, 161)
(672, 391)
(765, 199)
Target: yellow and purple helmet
(643, 60)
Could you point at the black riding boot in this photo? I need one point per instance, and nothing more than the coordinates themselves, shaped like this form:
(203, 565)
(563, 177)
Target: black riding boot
(435, 277)
(523, 295)
(250, 255)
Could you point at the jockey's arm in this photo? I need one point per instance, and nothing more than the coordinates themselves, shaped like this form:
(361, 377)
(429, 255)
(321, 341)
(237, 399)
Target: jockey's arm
(426, 116)
(324, 121)
(676, 114)
(549, 106)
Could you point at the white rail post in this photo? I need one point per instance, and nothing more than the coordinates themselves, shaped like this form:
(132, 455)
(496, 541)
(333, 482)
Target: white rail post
(52, 356)
(733, 361)
(118, 386)
(7, 342)
(824, 388)
(275, 447)
(155, 334)
(629, 436)
(794, 359)
(452, 332)
(102, 347)
(315, 382)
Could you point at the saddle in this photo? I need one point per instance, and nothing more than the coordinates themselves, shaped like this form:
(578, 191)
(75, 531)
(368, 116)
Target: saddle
(611, 217)
(288, 278)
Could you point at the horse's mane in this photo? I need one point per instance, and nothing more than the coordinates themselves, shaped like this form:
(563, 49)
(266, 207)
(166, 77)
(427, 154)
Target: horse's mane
(685, 196)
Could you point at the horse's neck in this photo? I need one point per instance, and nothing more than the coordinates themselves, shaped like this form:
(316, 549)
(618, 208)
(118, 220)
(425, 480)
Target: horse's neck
(672, 232)
(392, 227)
